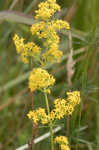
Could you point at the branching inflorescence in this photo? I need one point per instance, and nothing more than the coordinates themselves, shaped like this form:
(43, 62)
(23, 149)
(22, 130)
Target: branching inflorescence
(62, 107)
(46, 30)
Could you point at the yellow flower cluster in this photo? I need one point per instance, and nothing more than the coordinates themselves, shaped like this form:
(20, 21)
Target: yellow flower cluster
(62, 108)
(40, 79)
(26, 50)
(46, 31)
(59, 24)
(38, 28)
(38, 115)
(64, 147)
(73, 98)
(47, 9)
(63, 142)
(19, 43)
(52, 55)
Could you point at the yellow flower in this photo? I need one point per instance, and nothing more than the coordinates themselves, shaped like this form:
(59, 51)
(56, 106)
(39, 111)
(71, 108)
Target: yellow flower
(32, 49)
(38, 115)
(33, 116)
(46, 9)
(37, 28)
(24, 57)
(73, 97)
(60, 108)
(70, 109)
(42, 116)
(64, 147)
(46, 31)
(53, 38)
(59, 24)
(52, 55)
(19, 43)
(63, 142)
(25, 50)
(40, 79)
(65, 107)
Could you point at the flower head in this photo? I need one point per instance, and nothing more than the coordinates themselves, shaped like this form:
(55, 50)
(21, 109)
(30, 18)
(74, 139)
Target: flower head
(47, 9)
(38, 115)
(64, 147)
(59, 24)
(19, 43)
(52, 55)
(65, 107)
(40, 79)
(63, 142)
(73, 97)
(59, 108)
(26, 49)
(38, 28)
(45, 30)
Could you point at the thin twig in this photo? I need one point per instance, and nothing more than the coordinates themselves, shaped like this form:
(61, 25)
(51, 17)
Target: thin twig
(70, 71)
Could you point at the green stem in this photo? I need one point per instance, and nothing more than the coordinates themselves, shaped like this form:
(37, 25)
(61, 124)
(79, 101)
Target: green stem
(50, 124)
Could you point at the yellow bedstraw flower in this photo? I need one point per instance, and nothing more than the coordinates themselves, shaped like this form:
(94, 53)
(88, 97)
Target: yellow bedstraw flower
(32, 49)
(70, 109)
(47, 9)
(24, 57)
(42, 116)
(40, 79)
(59, 24)
(60, 108)
(73, 97)
(46, 31)
(52, 55)
(64, 107)
(38, 115)
(64, 147)
(19, 43)
(32, 115)
(28, 49)
(63, 142)
(37, 28)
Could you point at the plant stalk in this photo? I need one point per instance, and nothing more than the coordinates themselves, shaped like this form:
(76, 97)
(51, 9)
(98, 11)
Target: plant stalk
(50, 124)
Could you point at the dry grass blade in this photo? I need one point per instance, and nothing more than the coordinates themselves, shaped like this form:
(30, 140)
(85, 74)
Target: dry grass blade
(17, 17)
(13, 4)
(70, 68)
(70, 62)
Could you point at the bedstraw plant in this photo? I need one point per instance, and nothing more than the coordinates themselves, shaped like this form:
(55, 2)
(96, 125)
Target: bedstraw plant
(40, 55)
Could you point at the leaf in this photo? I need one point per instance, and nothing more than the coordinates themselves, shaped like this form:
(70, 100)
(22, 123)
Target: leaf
(17, 17)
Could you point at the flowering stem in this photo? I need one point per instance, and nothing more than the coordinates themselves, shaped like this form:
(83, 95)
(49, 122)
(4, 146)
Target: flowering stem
(32, 109)
(50, 124)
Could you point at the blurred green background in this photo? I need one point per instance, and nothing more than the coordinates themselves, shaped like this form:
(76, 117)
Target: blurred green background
(16, 16)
